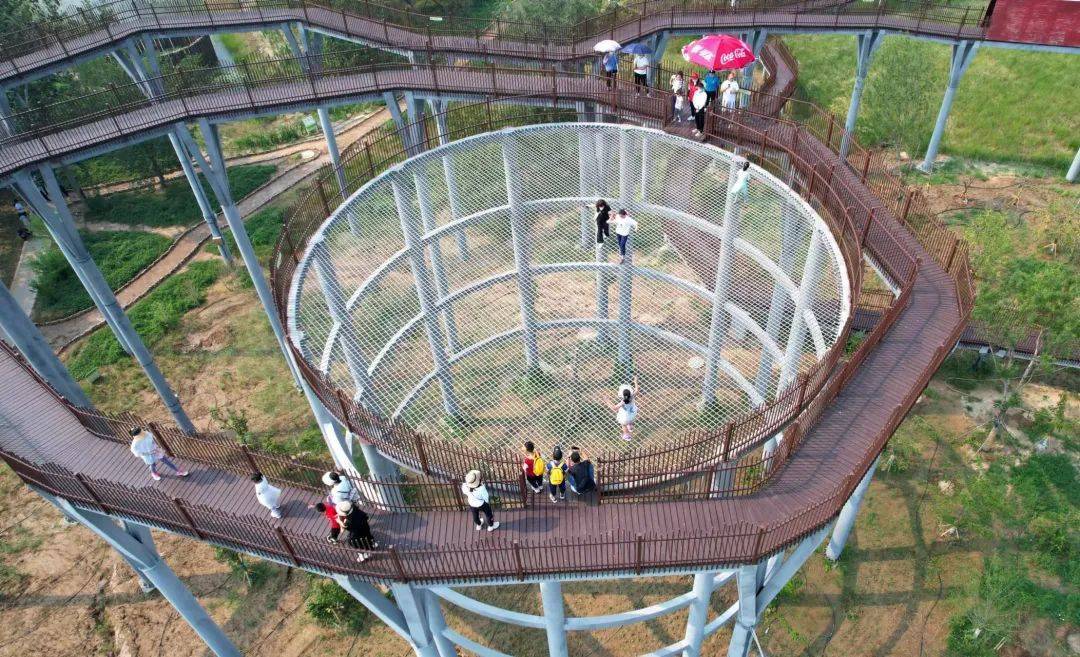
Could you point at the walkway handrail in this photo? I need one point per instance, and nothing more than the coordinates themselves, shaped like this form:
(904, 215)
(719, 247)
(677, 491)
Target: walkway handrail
(121, 19)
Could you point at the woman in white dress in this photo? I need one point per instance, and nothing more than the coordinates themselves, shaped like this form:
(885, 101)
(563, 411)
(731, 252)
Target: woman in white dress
(626, 408)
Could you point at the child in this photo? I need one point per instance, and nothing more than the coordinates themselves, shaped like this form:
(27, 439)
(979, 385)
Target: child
(533, 466)
(331, 519)
(556, 472)
(626, 408)
(145, 447)
(268, 496)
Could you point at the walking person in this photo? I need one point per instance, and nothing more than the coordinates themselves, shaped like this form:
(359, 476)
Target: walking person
(626, 409)
(603, 216)
(611, 67)
(712, 85)
(268, 496)
(729, 92)
(641, 74)
(581, 474)
(556, 472)
(145, 447)
(479, 501)
(678, 86)
(331, 519)
(699, 103)
(352, 519)
(624, 225)
(341, 488)
(533, 467)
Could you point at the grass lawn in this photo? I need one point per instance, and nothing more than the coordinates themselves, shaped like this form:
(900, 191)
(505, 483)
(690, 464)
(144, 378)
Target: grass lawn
(174, 205)
(1012, 106)
(120, 255)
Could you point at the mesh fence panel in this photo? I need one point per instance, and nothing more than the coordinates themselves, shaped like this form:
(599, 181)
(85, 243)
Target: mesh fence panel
(464, 293)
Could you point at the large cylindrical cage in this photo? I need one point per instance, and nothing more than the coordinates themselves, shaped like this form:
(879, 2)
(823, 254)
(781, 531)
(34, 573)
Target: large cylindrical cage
(464, 292)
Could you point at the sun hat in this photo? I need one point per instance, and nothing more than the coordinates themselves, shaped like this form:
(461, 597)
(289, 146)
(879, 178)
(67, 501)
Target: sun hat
(327, 480)
(472, 479)
(343, 507)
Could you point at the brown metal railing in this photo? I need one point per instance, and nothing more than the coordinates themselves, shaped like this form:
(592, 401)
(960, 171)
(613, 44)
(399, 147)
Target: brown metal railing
(85, 28)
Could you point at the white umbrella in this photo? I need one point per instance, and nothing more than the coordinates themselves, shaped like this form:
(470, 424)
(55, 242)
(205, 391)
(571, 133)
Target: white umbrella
(607, 45)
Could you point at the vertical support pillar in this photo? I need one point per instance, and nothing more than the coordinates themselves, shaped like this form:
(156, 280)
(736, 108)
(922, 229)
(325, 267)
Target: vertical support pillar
(438, 266)
(425, 293)
(866, 44)
(519, 235)
(399, 121)
(756, 40)
(699, 613)
(61, 226)
(845, 522)
(597, 155)
(439, 109)
(409, 601)
(142, 535)
(746, 618)
(415, 107)
(804, 300)
(719, 320)
(436, 624)
(26, 337)
(789, 220)
(7, 127)
(1074, 168)
(626, 270)
(646, 159)
(554, 616)
(962, 54)
(658, 56)
(150, 565)
(209, 216)
(332, 149)
(585, 188)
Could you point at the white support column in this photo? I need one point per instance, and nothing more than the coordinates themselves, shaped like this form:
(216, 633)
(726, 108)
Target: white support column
(845, 522)
(804, 301)
(646, 171)
(150, 565)
(746, 619)
(789, 220)
(332, 149)
(437, 624)
(439, 109)
(626, 270)
(554, 617)
(756, 40)
(61, 226)
(350, 342)
(867, 43)
(399, 121)
(142, 535)
(519, 234)
(962, 54)
(426, 295)
(414, 105)
(1074, 168)
(698, 615)
(209, 216)
(657, 57)
(26, 337)
(585, 188)
(597, 157)
(409, 601)
(376, 603)
(719, 320)
(438, 264)
(7, 127)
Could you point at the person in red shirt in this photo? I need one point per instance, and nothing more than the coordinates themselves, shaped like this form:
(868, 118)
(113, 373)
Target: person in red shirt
(331, 519)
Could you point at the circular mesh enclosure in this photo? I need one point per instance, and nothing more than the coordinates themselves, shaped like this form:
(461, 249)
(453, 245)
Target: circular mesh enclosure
(464, 292)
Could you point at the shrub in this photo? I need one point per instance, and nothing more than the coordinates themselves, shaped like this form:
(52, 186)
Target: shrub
(332, 606)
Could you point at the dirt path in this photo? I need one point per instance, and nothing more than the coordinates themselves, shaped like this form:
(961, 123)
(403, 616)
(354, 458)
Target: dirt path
(63, 333)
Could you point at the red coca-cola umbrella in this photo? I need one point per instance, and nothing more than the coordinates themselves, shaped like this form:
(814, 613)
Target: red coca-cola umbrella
(718, 51)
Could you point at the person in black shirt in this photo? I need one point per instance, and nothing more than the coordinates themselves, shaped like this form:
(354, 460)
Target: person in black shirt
(581, 473)
(603, 213)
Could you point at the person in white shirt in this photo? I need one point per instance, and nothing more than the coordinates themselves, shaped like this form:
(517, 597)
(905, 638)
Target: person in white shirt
(729, 92)
(624, 224)
(678, 86)
(145, 447)
(699, 101)
(641, 74)
(479, 500)
(341, 489)
(268, 496)
(742, 181)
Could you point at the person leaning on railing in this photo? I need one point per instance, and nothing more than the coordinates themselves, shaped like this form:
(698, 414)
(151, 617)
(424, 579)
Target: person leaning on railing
(145, 447)
(479, 501)
(581, 475)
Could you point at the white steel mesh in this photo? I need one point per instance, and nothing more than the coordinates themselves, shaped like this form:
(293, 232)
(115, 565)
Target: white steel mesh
(411, 296)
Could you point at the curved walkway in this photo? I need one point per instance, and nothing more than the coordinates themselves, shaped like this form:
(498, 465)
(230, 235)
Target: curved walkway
(35, 54)
(440, 545)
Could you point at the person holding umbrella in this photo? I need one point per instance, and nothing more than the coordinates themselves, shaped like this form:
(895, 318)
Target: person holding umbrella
(717, 52)
(609, 62)
(642, 62)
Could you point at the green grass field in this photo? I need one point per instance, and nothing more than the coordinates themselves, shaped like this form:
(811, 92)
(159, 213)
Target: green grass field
(120, 255)
(1012, 106)
(174, 205)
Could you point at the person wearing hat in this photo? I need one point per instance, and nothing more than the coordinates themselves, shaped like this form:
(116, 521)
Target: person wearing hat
(145, 447)
(352, 519)
(341, 488)
(268, 496)
(479, 500)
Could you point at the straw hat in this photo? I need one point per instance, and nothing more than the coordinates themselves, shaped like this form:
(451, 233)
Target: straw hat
(472, 479)
(343, 507)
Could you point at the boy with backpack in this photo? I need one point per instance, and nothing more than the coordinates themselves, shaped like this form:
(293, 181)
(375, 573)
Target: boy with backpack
(533, 466)
(556, 472)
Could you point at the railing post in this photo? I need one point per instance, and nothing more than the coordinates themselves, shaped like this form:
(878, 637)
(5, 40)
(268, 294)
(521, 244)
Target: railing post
(907, 206)
(159, 435)
(345, 415)
(729, 430)
(322, 196)
(247, 457)
(421, 454)
(866, 228)
(285, 544)
(90, 491)
(396, 560)
(865, 167)
(517, 561)
(952, 254)
(639, 553)
(832, 125)
(187, 518)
